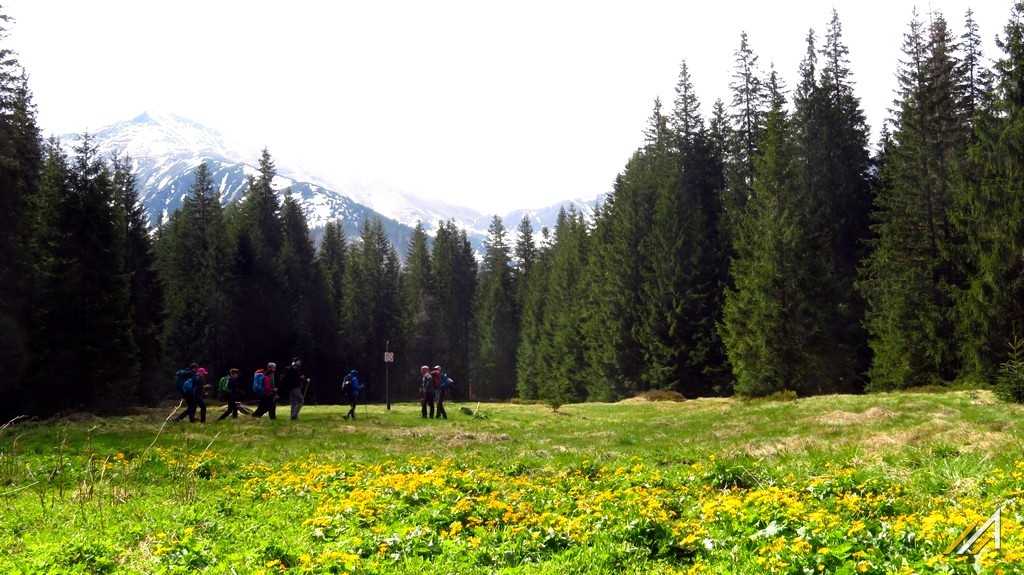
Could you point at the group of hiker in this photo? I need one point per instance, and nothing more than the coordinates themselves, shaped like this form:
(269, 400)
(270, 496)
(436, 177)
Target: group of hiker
(266, 387)
(434, 385)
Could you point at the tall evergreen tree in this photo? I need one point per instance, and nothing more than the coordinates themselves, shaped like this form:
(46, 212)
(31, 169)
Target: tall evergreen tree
(259, 305)
(21, 157)
(909, 276)
(524, 257)
(331, 259)
(687, 271)
(193, 255)
(770, 327)
(496, 319)
(977, 91)
(465, 284)
(454, 276)
(991, 214)
(831, 137)
(331, 262)
(84, 354)
(420, 305)
(618, 261)
(373, 307)
(747, 110)
(531, 359)
(303, 286)
(145, 291)
(559, 377)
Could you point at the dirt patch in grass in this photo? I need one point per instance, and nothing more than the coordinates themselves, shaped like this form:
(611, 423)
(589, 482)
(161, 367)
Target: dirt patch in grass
(464, 438)
(413, 432)
(792, 445)
(835, 418)
(936, 433)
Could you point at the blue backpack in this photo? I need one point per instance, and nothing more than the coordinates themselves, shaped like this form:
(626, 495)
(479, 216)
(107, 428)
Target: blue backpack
(257, 382)
(183, 381)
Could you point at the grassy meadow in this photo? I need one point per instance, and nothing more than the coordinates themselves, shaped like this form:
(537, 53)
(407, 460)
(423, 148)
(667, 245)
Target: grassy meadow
(836, 484)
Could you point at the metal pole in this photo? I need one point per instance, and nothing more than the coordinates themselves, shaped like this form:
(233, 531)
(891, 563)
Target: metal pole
(387, 387)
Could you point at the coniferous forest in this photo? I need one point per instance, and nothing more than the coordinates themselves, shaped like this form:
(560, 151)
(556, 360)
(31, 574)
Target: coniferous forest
(769, 247)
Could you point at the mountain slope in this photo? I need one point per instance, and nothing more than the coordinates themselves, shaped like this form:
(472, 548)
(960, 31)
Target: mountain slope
(166, 150)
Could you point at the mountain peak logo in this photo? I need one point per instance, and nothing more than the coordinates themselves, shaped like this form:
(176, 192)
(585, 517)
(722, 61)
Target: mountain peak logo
(979, 539)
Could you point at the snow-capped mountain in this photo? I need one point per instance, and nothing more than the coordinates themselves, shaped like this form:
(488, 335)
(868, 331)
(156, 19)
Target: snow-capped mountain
(166, 150)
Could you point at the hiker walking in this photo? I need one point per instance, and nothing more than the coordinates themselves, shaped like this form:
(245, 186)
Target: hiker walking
(265, 387)
(192, 392)
(427, 391)
(233, 395)
(183, 385)
(292, 380)
(444, 383)
(351, 387)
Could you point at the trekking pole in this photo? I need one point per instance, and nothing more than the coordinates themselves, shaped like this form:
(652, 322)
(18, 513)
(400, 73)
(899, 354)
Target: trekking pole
(305, 389)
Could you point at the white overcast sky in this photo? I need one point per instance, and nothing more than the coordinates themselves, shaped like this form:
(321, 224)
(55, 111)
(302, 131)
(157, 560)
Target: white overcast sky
(486, 104)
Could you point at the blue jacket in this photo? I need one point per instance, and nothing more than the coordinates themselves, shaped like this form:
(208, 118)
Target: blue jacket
(356, 386)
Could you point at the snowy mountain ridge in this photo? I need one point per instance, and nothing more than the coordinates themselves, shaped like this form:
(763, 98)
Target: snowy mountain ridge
(166, 149)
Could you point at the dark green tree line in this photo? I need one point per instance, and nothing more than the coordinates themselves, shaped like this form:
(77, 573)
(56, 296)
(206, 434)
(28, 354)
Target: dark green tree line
(761, 249)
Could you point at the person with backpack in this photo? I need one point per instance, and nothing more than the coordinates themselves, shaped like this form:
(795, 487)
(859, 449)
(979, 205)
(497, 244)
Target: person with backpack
(292, 380)
(230, 388)
(183, 385)
(264, 387)
(427, 392)
(192, 392)
(444, 383)
(351, 387)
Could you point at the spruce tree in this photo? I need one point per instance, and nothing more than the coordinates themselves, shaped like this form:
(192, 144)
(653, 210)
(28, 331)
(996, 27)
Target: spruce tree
(618, 262)
(465, 284)
(746, 113)
(523, 259)
(145, 289)
(531, 358)
(258, 307)
(831, 137)
(373, 307)
(977, 91)
(496, 320)
(688, 267)
(559, 377)
(21, 158)
(84, 355)
(303, 293)
(195, 266)
(770, 326)
(991, 215)
(910, 274)
(331, 261)
(420, 308)
(454, 278)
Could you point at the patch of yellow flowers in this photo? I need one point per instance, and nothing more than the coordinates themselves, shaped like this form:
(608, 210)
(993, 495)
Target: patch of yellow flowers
(839, 521)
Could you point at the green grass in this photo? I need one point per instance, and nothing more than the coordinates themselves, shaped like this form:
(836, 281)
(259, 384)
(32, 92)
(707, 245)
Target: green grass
(835, 484)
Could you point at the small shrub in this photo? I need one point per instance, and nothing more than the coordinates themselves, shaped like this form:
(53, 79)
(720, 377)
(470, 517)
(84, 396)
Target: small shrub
(662, 395)
(1010, 381)
(777, 397)
(782, 396)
